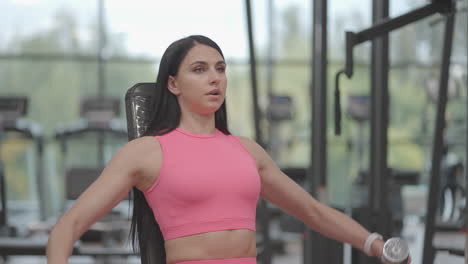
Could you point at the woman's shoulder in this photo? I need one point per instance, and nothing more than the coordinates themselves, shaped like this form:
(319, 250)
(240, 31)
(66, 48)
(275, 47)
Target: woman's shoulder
(145, 155)
(142, 147)
(252, 147)
(248, 143)
(141, 142)
(144, 141)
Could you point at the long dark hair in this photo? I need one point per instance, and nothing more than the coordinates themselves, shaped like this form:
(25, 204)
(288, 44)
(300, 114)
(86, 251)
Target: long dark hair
(145, 232)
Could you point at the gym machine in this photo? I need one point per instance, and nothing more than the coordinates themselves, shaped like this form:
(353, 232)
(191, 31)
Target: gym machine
(12, 109)
(97, 114)
(98, 121)
(378, 213)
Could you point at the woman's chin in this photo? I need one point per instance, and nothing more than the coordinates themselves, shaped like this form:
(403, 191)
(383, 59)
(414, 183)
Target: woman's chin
(208, 110)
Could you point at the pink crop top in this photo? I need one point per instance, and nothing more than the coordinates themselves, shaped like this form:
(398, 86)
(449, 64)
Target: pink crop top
(206, 183)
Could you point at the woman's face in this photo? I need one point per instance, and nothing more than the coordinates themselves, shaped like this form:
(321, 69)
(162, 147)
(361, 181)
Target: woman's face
(200, 84)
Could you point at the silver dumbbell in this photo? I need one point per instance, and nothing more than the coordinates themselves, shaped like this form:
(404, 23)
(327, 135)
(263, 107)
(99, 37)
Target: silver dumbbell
(395, 251)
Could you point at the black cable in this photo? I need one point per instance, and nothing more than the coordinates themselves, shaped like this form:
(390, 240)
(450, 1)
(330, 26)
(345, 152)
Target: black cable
(338, 104)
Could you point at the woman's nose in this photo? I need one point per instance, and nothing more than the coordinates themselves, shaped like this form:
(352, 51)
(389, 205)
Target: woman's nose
(214, 77)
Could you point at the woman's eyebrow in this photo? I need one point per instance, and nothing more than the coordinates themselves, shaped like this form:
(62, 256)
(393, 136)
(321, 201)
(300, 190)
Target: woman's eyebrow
(206, 63)
(199, 62)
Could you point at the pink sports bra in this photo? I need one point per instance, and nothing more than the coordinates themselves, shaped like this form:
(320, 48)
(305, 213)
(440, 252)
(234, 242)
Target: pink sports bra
(206, 183)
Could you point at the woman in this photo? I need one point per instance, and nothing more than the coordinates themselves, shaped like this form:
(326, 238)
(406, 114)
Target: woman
(196, 186)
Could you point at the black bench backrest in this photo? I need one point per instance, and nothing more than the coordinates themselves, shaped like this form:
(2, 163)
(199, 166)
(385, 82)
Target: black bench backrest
(138, 107)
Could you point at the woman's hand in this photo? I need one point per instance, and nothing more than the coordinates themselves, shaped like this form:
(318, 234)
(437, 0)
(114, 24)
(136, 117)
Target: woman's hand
(377, 248)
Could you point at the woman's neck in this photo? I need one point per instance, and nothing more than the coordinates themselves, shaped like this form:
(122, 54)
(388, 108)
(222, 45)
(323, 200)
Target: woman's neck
(198, 124)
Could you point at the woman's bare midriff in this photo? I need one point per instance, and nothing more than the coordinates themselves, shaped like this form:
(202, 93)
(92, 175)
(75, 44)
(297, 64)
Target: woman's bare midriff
(239, 243)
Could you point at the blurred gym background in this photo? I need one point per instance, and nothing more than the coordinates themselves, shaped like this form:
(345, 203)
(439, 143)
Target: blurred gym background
(65, 67)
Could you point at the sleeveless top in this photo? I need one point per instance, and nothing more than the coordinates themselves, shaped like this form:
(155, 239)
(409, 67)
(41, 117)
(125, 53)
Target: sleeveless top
(206, 183)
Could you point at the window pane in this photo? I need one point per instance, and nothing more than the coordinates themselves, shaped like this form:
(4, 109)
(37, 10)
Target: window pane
(239, 100)
(398, 8)
(54, 90)
(120, 76)
(291, 138)
(48, 26)
(288, 36)
(347, 16)
(146, 28)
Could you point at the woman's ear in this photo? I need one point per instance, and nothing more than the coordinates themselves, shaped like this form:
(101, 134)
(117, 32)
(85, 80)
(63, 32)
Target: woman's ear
(172, 85)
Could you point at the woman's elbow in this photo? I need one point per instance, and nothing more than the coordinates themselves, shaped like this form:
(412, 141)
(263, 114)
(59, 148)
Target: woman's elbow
(66, 227)
(61, 240)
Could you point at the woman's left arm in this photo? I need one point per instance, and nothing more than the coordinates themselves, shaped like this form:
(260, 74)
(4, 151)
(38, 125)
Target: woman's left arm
(279, 189)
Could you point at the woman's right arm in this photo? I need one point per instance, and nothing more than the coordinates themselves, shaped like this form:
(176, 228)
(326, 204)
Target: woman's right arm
(128, 168)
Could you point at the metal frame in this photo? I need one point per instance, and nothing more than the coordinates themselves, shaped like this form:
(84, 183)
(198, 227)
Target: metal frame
(466, 170)
(264, 216)
(382, 28)
(318, 248)
(379, 109)
(101, 72)
(377, 215)
(318, 92)
(3, 197)
(379, 119)
(438, 143)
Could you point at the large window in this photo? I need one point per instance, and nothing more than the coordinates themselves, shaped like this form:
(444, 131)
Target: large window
(49, 51)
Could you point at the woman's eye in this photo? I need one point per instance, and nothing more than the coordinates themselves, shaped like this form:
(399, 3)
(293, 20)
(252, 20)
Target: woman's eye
(221, 69)
(198, 69)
